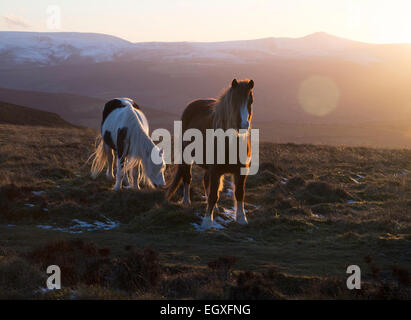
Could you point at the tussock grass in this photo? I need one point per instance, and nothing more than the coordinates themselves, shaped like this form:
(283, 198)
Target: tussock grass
(312, 211)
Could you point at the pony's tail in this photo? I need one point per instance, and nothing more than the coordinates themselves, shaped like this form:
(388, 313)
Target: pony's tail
(178, 178)
(99, 161)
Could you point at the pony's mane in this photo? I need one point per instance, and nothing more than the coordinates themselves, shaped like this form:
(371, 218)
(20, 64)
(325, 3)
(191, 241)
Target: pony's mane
(223, 118)
(225, 114)
(140, 147)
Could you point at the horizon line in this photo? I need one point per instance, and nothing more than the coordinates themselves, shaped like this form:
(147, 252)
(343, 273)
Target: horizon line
(213, 41)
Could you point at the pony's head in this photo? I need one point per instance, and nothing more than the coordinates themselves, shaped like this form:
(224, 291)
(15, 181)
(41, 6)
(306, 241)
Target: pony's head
(156, 167)
(234, 109)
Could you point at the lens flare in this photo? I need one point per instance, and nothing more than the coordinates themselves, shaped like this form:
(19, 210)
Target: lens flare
(407, 133)
(318, 95)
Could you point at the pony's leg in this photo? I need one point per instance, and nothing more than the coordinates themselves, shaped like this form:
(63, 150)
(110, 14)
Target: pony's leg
(121, 156)
(186, 183)
(239, 182)
(206, 183)
(129, 179)
(214, 187)
(140, 174)
(110, 158)
(206, 180)
(126, 181)
(136, 172)
(120, 172)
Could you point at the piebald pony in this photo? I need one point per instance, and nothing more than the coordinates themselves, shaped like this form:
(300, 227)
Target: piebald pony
(125, 130)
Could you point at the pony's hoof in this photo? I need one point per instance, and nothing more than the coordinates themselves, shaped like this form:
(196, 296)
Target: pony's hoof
(207, 223)
(186, 203)
(116, 188)
(242, 220)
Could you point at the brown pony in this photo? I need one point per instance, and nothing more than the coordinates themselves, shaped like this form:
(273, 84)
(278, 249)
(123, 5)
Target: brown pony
(233, 110)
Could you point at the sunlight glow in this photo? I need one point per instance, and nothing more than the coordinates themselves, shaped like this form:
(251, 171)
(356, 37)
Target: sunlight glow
(377, 21)
(318, 95)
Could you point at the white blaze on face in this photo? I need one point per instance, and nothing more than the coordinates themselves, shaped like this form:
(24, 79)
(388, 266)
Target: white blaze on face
(245, 124)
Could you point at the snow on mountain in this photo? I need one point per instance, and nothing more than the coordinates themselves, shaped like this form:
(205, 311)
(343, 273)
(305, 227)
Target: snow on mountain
(55, 48)
(244, 51)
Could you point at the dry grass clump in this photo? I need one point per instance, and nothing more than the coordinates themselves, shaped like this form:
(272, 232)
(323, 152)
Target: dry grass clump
(137, 271)
(79, 262)
(19, 278)
(322, 192)
(253, 286)
(85, 264)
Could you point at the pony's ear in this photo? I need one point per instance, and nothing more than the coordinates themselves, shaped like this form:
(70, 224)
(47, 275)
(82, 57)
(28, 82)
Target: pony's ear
(234, 84)
(251, 84)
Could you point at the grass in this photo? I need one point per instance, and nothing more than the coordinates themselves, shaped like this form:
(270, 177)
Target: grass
(312, 211)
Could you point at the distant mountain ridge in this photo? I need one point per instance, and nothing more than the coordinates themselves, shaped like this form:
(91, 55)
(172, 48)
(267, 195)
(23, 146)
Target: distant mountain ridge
(55, 48)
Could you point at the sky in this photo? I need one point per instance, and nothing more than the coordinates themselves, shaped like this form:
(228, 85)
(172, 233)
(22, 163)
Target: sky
(376, 21)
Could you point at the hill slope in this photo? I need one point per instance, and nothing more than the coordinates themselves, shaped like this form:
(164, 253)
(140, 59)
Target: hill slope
(80, 110)
(86, 111)
(14, 114)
